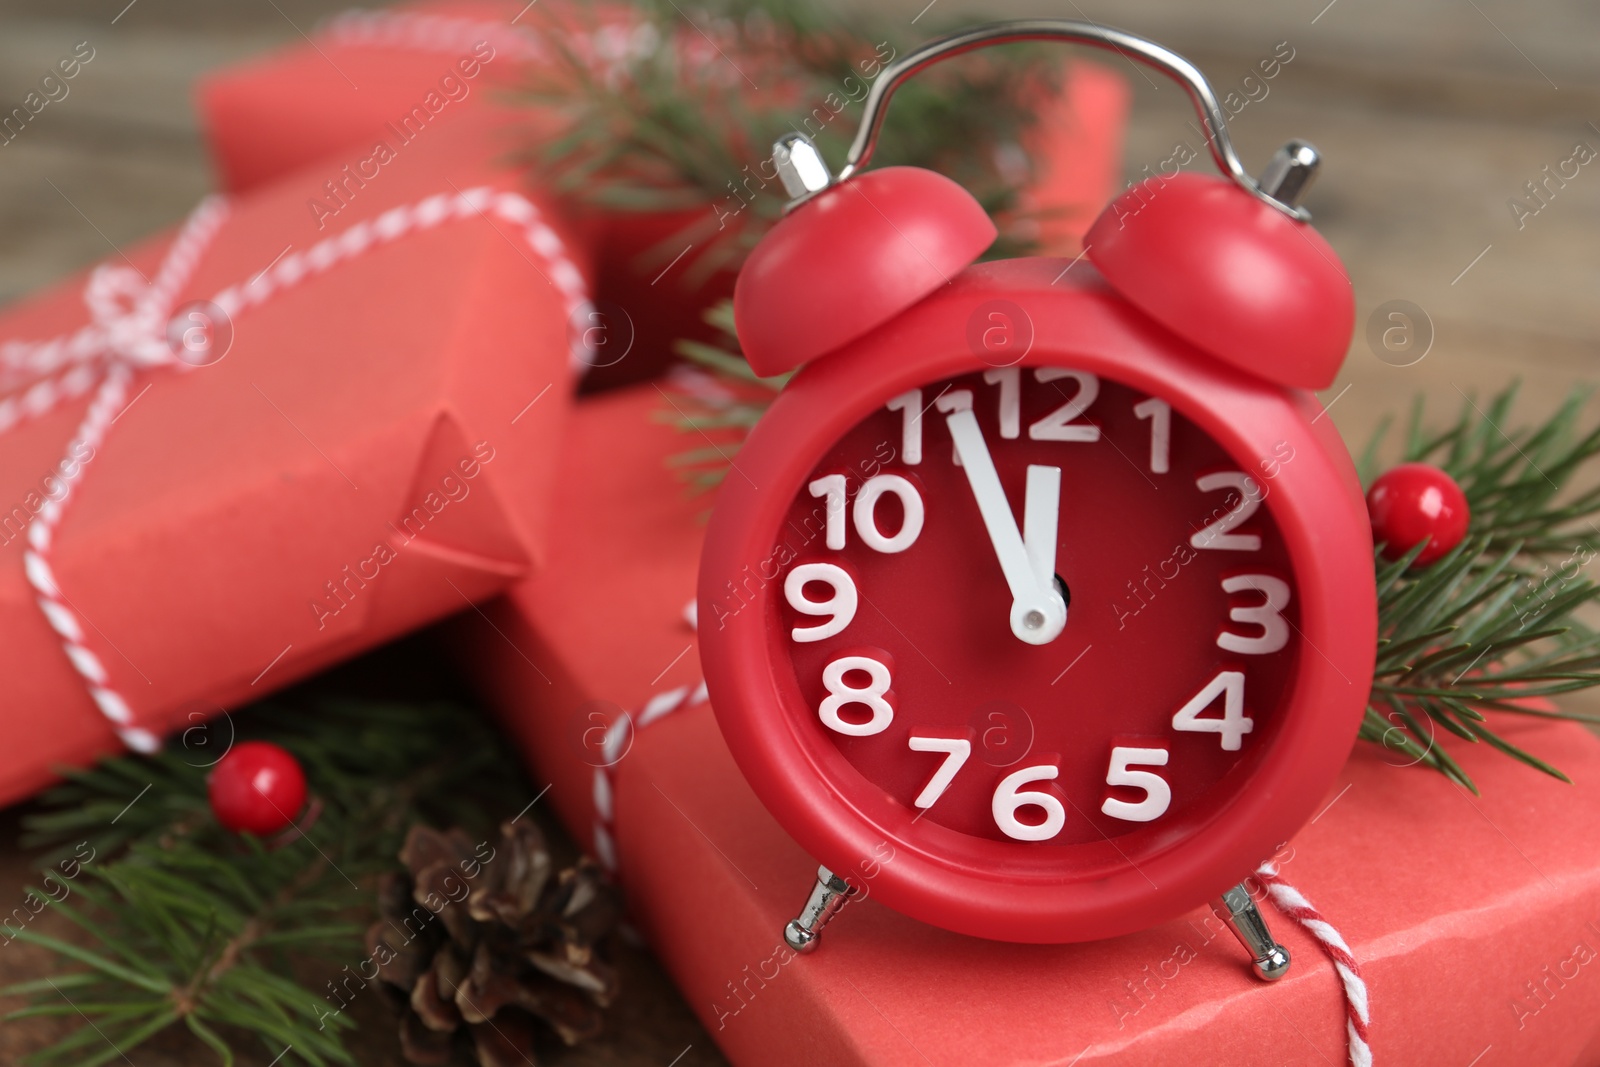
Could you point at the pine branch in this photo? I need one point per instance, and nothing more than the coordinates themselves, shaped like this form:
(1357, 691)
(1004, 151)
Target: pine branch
(1515, 481)
(179, 942)
(1496, 622)
(193, 925)
(676, 123)
(720, 404)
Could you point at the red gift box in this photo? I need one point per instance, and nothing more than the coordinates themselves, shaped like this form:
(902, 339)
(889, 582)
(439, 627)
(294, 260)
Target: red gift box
(1475, 920)
(369, 75)
(205, 502)
(366, 75)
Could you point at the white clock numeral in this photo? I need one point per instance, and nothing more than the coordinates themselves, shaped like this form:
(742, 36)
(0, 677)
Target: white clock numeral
(832, 488)
(1009, 379)
(841, 605)
(955, 749)
(909, 404)
(1157, 793)
(1268, 616)
(1159, 412)
(1056, 426)
(1009, 796)
(1233, 725)
(1215, 534)
(949, 401)
(873, 697)
(866, 513)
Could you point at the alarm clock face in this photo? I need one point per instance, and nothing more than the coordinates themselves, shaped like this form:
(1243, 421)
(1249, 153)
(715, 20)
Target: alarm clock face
(1044, 652)
(1036, 618)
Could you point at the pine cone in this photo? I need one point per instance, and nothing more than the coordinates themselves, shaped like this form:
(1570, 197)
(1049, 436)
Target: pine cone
(479, 943)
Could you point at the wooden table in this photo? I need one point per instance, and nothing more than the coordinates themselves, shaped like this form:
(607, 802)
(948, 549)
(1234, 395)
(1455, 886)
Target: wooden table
(1431, 116)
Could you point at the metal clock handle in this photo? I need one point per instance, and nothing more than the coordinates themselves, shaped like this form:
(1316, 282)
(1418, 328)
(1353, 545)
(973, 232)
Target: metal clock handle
(1282, 183)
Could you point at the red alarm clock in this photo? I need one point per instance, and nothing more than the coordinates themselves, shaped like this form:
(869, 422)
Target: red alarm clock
(1043, 590)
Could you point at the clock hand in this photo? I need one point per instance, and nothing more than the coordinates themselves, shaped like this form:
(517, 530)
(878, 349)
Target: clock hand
(1038, 612)
(1041, 510)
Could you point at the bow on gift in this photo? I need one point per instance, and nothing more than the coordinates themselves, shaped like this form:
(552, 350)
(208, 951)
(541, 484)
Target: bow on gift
(132, 328)
(127, 326)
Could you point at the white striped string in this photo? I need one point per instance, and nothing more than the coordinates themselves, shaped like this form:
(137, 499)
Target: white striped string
(419, 32)
(618, 737)
(611, 48)
(1294, 904)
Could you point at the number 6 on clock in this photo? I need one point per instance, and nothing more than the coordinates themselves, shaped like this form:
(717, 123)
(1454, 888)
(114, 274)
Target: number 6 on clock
(1009, 796)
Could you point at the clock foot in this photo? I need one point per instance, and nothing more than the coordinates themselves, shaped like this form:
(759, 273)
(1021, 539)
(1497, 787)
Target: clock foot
(827, 897)
(1270, 959)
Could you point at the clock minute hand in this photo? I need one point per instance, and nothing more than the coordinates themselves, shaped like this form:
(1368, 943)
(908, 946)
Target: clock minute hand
(1038, 612)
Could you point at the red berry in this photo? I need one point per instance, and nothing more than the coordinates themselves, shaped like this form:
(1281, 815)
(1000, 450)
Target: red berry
(1415, 501)
(257, 788)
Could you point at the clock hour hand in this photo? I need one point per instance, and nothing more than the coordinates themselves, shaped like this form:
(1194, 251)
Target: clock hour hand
(1041, 510)
(1038, 613)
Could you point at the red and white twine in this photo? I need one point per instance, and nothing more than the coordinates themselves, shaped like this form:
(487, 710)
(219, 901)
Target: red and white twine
(1293, 903)
(618, 740)
(421, 32)
(610, 47)
(127, 334)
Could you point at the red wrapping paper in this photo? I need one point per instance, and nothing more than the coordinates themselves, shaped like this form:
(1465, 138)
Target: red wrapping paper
(1476, 920)
(349, 470)
(363, 77)
(369, 70)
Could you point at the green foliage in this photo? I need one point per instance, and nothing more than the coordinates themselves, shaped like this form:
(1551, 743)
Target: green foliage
(686, 118)
(721, 420)
(1496, 621)
(197, 926)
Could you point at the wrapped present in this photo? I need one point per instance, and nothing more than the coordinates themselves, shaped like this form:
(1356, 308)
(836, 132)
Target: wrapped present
(389, 74)
(387, 77)
(1474, 920)
(257, 445)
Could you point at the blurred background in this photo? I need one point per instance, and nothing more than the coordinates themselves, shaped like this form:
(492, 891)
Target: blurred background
(1431, 116)
(1436, 118)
